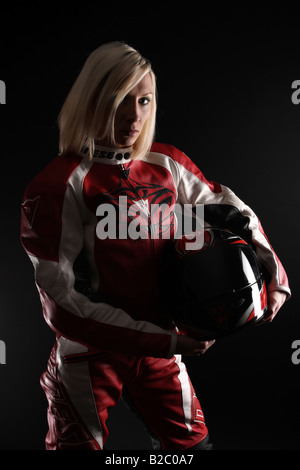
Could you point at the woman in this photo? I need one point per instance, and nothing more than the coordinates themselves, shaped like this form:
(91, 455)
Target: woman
(98, 279)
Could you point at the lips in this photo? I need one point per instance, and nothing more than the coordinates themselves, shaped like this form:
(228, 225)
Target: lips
(130, 132)
(133, 132)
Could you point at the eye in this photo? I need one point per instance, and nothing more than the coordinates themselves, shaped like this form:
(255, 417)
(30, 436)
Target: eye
(144, 100)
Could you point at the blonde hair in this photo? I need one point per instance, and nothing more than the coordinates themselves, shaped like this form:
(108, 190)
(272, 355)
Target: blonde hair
(88, 113)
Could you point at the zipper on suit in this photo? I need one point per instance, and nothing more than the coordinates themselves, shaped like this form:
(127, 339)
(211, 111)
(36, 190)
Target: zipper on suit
(125, 174)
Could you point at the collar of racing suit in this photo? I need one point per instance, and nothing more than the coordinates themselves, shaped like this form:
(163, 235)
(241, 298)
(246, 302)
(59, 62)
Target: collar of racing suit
(109, 155)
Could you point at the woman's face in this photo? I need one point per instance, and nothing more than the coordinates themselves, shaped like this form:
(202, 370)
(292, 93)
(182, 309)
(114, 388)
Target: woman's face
(133, 113)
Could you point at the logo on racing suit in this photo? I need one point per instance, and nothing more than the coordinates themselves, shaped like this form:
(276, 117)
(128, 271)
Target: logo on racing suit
(145, 210)
(100, 153)
(136, 211)
(29, 208)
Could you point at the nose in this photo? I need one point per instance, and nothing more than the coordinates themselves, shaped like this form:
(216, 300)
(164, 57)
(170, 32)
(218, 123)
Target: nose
(133, 112)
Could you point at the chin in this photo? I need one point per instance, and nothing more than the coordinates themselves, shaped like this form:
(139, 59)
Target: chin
(126, 143)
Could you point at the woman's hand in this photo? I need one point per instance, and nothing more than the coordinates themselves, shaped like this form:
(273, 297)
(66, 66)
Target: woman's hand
(189, 346)
(276, 300)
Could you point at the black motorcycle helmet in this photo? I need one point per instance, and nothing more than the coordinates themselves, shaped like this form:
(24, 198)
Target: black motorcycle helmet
(214, 290)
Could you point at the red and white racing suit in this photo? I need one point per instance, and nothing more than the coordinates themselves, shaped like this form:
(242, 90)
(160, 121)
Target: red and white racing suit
(113, 333)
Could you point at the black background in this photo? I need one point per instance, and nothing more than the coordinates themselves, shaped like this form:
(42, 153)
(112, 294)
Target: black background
(224, 86)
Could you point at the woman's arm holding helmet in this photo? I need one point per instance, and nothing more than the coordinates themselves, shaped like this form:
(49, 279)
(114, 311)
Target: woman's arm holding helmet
(223, 209)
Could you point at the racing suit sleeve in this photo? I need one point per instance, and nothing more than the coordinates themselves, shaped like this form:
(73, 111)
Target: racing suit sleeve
(52, 233)
(223, 209)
